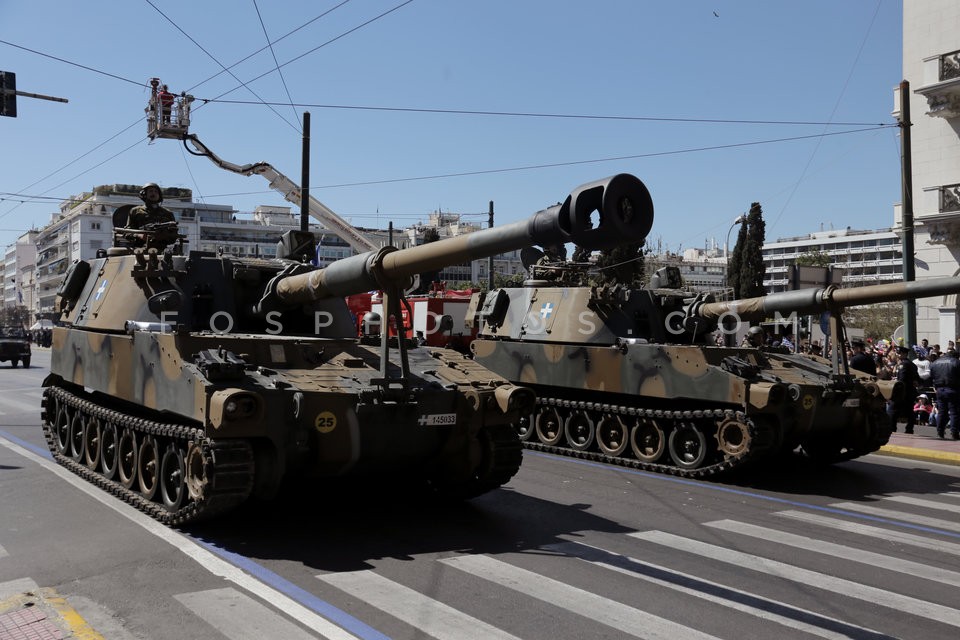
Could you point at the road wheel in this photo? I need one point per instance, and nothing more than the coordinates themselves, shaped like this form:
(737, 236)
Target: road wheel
(647, 440)
(148, 467)
(173, 478)
(612, 436)
(549, 426)
(78, 426)
(109, 450)
(687, 445)
(524, 427)
(61, 427)
(91, 443)
(127, 458)
(579, 430)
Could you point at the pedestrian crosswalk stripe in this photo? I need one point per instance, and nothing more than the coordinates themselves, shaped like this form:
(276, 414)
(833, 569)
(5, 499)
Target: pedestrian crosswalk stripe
(882, 597)
(426, 614)
(611, 613)
(890, 563)
(901, 537)
(920, 502)
(695, 586)
(240, 617)
(911, 518)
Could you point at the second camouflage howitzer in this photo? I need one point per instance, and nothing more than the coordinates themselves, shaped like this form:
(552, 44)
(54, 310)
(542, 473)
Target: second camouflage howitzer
(636, 375)
(186, 383)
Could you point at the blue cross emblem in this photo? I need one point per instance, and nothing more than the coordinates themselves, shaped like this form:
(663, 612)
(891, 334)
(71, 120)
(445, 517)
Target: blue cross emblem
(103, 287)
(546, 310)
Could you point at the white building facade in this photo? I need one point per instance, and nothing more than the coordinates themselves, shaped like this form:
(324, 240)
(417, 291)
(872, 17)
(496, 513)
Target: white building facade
(863, 257)
(931, 64)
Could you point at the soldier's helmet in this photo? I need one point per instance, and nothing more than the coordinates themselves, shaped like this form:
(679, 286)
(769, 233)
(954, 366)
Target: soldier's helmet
(755, 336)
(147, 187)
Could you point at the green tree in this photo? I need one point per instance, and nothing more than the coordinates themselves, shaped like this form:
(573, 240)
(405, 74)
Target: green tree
(622, 264)
(427, 278)
(814, 258)
(735, 262)
(878, 321)
(752, 269)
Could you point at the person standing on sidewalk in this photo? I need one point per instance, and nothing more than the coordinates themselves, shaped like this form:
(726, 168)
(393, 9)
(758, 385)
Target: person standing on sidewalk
(945, 375)
(908, 376)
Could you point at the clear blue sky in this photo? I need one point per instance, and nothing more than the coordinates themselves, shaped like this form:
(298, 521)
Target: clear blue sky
(819, 61)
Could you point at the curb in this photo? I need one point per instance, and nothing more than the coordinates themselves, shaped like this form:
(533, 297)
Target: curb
(928, 455)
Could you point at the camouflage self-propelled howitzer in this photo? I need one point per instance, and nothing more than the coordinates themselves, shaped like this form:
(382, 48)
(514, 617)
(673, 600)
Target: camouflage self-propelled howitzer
(185, 383)
(633, 376)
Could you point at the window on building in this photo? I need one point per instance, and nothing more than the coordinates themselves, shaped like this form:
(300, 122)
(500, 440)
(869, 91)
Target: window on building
(95, 226)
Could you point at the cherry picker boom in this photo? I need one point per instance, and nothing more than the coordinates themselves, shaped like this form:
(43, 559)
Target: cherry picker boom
(168, 116)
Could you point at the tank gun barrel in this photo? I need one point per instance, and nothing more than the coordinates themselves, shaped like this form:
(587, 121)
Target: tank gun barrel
(817, 300)
(596, 215)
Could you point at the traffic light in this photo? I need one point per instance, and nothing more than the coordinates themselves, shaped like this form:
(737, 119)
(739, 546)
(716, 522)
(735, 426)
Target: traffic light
(8, 95)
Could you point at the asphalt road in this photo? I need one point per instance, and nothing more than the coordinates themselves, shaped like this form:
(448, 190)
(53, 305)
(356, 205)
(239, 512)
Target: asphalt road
(568, 549)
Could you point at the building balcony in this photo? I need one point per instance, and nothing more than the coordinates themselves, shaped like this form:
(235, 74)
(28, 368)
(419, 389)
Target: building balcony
(941, 85)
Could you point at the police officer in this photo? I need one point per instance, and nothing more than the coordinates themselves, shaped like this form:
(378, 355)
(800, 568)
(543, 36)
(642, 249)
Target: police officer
(945, 375)
(152, 216)
(860, 360)
(909, 377)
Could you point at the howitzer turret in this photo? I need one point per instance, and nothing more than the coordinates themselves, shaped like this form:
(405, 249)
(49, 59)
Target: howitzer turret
(636, 375)
(184, 383)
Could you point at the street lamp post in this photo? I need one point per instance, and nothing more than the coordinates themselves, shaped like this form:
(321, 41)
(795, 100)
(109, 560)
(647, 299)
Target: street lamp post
(726, 246)
(728, 337)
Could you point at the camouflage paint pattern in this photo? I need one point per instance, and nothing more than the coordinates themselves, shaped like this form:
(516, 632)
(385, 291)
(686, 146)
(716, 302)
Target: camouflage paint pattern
(640, 349)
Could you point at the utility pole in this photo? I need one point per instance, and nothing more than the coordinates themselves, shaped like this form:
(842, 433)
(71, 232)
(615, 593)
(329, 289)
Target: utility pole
(906, 211)
(490, 259)
(305, 176)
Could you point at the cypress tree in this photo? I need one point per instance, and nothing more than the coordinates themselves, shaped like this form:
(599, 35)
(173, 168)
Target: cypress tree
(427, 278)
(752, 269)
(735, 263)
(622, 264)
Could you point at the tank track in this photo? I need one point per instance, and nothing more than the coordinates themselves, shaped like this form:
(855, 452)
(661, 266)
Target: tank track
(223, 470)
(504, 457)
(760, 439)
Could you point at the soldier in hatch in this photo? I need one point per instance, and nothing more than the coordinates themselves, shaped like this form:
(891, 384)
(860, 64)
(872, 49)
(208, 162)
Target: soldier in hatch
(152, 217)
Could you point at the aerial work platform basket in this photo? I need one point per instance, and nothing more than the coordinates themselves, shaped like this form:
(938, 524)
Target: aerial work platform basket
(168, 115)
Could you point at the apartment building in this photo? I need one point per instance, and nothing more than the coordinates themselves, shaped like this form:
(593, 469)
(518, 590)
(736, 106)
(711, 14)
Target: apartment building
(863, 257)
(931, 64)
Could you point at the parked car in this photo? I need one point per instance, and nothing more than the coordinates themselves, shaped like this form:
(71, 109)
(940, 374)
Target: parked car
(14, 346)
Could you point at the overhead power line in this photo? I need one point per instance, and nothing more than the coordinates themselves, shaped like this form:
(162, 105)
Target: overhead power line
(212, 57)
(530, 114)
(599, 160)
(75, 64)
(654, 154)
